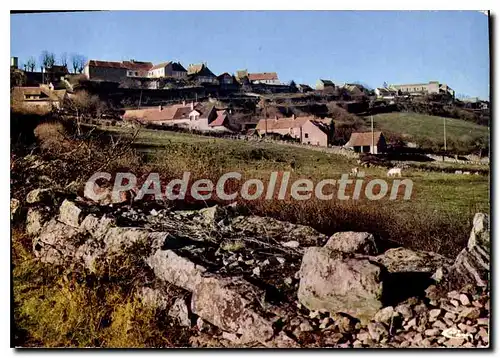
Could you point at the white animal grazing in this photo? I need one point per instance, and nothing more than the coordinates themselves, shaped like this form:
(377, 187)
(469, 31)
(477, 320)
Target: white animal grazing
(354, 171)
(466, 173)
(394, 172)
(458, 172)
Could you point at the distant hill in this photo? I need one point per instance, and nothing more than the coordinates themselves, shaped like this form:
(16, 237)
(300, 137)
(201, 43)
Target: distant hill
(427, 131)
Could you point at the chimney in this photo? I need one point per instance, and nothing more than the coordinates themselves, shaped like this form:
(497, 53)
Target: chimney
(275, 118)
(160, 108)
(293, 116)
(184, 103)
(192, 105)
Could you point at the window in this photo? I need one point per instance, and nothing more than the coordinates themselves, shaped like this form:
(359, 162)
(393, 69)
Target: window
(307, 135)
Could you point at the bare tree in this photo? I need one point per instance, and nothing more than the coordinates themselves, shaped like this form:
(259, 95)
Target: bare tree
(78, 63)
(31, 64)
(64, 59)
(47, 59)
(84, 105)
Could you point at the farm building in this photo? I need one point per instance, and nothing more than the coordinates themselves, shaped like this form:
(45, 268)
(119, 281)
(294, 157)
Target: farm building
(362, 142)
(193, 116)
(308, 130)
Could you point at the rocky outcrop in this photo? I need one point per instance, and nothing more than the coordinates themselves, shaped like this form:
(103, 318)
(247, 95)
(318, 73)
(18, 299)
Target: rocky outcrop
(252, 281)
(472, 265)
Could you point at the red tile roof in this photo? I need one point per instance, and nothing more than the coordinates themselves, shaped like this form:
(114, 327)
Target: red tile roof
(263, 76)
(129, 65)
(110, 64)
(137, 66)
(363, 139)
(154, 114)
(221, 118)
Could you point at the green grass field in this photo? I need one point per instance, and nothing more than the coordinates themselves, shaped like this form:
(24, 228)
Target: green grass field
(441, 207)
(425, 129)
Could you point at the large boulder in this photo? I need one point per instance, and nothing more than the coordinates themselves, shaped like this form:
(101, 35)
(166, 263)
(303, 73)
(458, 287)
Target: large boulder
(335, 282)
(472, 264)
(405, 260)
(353, 242)
(228, 303)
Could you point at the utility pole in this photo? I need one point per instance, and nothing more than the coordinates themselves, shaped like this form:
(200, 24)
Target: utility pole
(444, 126)
(373, 137)
(265, 115)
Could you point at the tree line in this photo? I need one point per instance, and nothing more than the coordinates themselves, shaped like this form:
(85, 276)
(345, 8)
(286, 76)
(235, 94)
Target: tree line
(48, 59)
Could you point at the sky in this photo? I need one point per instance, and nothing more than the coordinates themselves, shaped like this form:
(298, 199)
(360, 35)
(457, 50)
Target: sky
(370, 47)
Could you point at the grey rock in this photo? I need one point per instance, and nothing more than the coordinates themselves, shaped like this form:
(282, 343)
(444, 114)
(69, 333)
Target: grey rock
(385, 315)
(434, 313)
(40, 196)
(70, 213)
(227, 304)
(473, 262)
(180, 312)
(480, 234)
(377, 331)
(291, 244)
(56, 242)
(15, 209)
(331, 282)
(353, 242)
(175, 269)
(464, 299)
(431, 332)
(153, 298)
(35, 218)
(405, 260)
(405, 310)
(470, 312)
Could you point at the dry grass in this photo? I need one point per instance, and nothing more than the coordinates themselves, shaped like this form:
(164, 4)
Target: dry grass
(69, 307)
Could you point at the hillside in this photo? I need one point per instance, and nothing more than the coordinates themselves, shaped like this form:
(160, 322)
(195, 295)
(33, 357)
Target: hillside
(427, 131)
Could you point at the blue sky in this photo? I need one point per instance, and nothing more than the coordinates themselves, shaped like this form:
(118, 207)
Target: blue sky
(370, 47)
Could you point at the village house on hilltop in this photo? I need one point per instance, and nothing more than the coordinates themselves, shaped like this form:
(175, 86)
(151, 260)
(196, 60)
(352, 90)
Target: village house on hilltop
(308, 130)
(200, 73)
(325, 85)
(433, 87)
(168, 69)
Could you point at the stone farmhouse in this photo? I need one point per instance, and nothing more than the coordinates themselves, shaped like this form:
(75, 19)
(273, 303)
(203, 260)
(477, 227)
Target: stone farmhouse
(324, 85)
(168, 69)
(269, 78)
(308, 130)
(43, 97)
(433, 87)
(200, 73)
(114, 71)
(362, 142)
